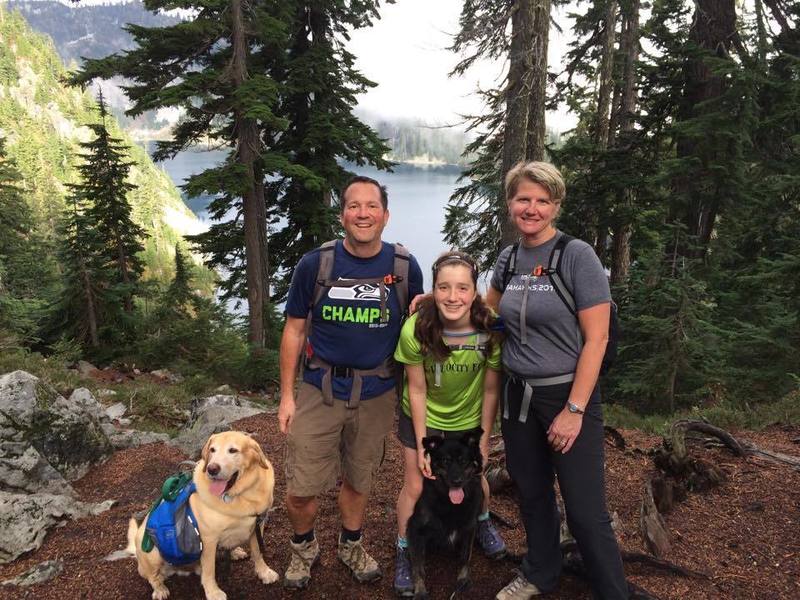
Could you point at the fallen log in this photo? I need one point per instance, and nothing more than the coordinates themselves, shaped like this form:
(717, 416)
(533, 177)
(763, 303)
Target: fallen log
(651, 524)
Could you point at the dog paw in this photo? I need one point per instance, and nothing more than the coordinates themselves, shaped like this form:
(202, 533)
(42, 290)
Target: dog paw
(266, 575)
(161, 593)
(238, 553)
(216, 595)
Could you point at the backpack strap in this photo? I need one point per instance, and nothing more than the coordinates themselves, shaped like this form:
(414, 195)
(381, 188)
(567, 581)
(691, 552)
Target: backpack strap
(401, 267)
(510, 266)
(554, 271)
(481, 339)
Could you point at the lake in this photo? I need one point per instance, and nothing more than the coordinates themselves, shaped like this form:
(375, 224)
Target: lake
(417, 199)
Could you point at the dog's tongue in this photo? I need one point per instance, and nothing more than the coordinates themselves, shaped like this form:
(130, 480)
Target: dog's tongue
(456, 495)
(217, 486)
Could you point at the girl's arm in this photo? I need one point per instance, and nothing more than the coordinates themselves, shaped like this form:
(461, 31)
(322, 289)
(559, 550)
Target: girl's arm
(491, 395)
(417, 392)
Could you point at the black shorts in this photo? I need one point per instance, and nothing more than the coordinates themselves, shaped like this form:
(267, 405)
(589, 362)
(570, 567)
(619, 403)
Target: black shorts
(405, 431)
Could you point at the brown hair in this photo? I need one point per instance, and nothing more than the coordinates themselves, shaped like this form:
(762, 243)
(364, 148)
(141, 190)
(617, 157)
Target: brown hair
(429, 327)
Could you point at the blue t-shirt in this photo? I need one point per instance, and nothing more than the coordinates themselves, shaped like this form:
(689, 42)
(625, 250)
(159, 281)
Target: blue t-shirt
(346, 326)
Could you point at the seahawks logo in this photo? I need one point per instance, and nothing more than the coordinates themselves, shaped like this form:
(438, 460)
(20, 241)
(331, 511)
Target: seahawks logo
(365, 292)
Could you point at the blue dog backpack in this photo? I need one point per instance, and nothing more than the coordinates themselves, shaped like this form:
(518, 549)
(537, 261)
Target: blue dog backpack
(173, 528)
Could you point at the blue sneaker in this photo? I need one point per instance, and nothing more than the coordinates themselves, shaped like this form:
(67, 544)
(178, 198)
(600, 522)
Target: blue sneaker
(490, 540)
(403, 586)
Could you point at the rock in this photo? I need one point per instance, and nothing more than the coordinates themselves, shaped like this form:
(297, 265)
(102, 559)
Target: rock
(167, 375)
(84, 398)
(64, 432)
(225, 390)
(40, 573)
(86, 368)
(131, 438)
(105, 393)
(24, 470)
(25, 519)
(115, 411)
(212, 415)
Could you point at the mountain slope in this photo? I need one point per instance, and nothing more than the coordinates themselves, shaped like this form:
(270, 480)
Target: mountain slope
(43, 121)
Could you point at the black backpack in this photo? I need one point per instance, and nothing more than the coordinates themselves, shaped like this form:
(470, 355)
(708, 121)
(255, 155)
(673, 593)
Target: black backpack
(553, 271)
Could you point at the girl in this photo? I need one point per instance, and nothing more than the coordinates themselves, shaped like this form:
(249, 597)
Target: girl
(452, 365)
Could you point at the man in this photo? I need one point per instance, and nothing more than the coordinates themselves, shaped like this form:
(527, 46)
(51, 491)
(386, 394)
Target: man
(346, 402)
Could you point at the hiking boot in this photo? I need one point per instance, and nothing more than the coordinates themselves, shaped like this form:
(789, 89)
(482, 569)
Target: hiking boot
(490, 540)
(403, 586)
(303, 557)
(362, 565)
(519, 589)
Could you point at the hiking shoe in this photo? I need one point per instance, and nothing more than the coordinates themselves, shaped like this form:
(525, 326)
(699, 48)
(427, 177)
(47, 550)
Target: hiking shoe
(362, 565)
(403, 586)
(490, 540)
(519, 589)
(303, 557)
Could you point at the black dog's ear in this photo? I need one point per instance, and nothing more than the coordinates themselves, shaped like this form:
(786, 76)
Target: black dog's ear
(472, 438)
(432, 443)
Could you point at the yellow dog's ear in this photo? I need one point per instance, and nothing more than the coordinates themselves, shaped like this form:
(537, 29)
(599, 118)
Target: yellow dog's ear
(255, 447)
(206, 449)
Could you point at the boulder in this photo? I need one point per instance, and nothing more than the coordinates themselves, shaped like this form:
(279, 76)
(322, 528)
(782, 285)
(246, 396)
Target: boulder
(115, 411)
(84, 398)
(122, 439)
(86, 368)
(25, 519)
(24, 470)
(40, 573)
(212, 415)
(167, 375)
(64, 432)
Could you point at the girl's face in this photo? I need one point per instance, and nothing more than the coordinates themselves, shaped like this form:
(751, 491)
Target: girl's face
(454, 292)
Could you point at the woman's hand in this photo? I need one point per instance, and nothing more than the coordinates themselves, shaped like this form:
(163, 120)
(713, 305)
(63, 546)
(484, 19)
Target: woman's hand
(424, 463)
(564, 430)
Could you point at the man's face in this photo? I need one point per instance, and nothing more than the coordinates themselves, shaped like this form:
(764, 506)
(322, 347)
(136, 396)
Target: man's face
(363, 216)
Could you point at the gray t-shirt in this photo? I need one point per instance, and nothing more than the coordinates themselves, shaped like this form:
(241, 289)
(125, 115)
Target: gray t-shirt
(551, 341)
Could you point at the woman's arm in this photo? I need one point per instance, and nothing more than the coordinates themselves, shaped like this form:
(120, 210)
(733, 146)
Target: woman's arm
(566, 426)
(493, 296)
(491, 395)
(417, 393)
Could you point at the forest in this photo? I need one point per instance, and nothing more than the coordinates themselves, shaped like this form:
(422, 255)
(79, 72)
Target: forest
(682, 172)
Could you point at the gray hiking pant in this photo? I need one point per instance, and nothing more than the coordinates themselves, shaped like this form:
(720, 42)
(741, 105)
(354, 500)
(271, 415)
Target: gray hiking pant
(532, 465)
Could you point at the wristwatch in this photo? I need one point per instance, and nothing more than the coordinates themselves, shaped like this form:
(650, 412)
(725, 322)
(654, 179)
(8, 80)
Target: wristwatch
(574, 408)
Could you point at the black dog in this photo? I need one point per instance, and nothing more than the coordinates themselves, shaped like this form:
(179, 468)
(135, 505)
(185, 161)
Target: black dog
(448, 509)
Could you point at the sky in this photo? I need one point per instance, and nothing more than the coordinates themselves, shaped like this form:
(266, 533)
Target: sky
(405, 53)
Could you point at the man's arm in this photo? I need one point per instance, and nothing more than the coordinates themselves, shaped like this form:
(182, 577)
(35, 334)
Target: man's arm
(292, 340)
(493, 296)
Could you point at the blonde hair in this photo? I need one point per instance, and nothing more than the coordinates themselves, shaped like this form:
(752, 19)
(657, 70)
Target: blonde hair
(543, 173)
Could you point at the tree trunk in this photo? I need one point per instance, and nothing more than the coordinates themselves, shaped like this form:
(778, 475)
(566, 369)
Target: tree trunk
(254, 208)
(534, 146)
(517, 92)
(623, 223)
(605, 84)
(91, 310)
(714, 29)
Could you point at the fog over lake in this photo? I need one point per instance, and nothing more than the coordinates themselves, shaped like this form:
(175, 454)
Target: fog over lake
(417, 199)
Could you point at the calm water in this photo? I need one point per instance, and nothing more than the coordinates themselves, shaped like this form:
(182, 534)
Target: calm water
(417, 200)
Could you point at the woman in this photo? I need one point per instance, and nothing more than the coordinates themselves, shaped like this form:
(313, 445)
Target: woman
(452, 365)
(552, 419)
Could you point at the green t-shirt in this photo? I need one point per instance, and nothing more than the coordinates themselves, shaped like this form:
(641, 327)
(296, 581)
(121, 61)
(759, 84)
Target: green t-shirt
(455, 404)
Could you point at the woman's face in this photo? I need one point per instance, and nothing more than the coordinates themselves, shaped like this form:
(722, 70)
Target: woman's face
(532, 210)
(454, 292)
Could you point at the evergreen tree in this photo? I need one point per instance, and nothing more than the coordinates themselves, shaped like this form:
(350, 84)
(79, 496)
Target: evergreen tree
(214, 67)
(179, 293)
(321, 85)
(104, 187)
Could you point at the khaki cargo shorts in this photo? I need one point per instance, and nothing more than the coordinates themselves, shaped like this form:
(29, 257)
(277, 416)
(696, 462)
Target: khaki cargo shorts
(326, 441)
